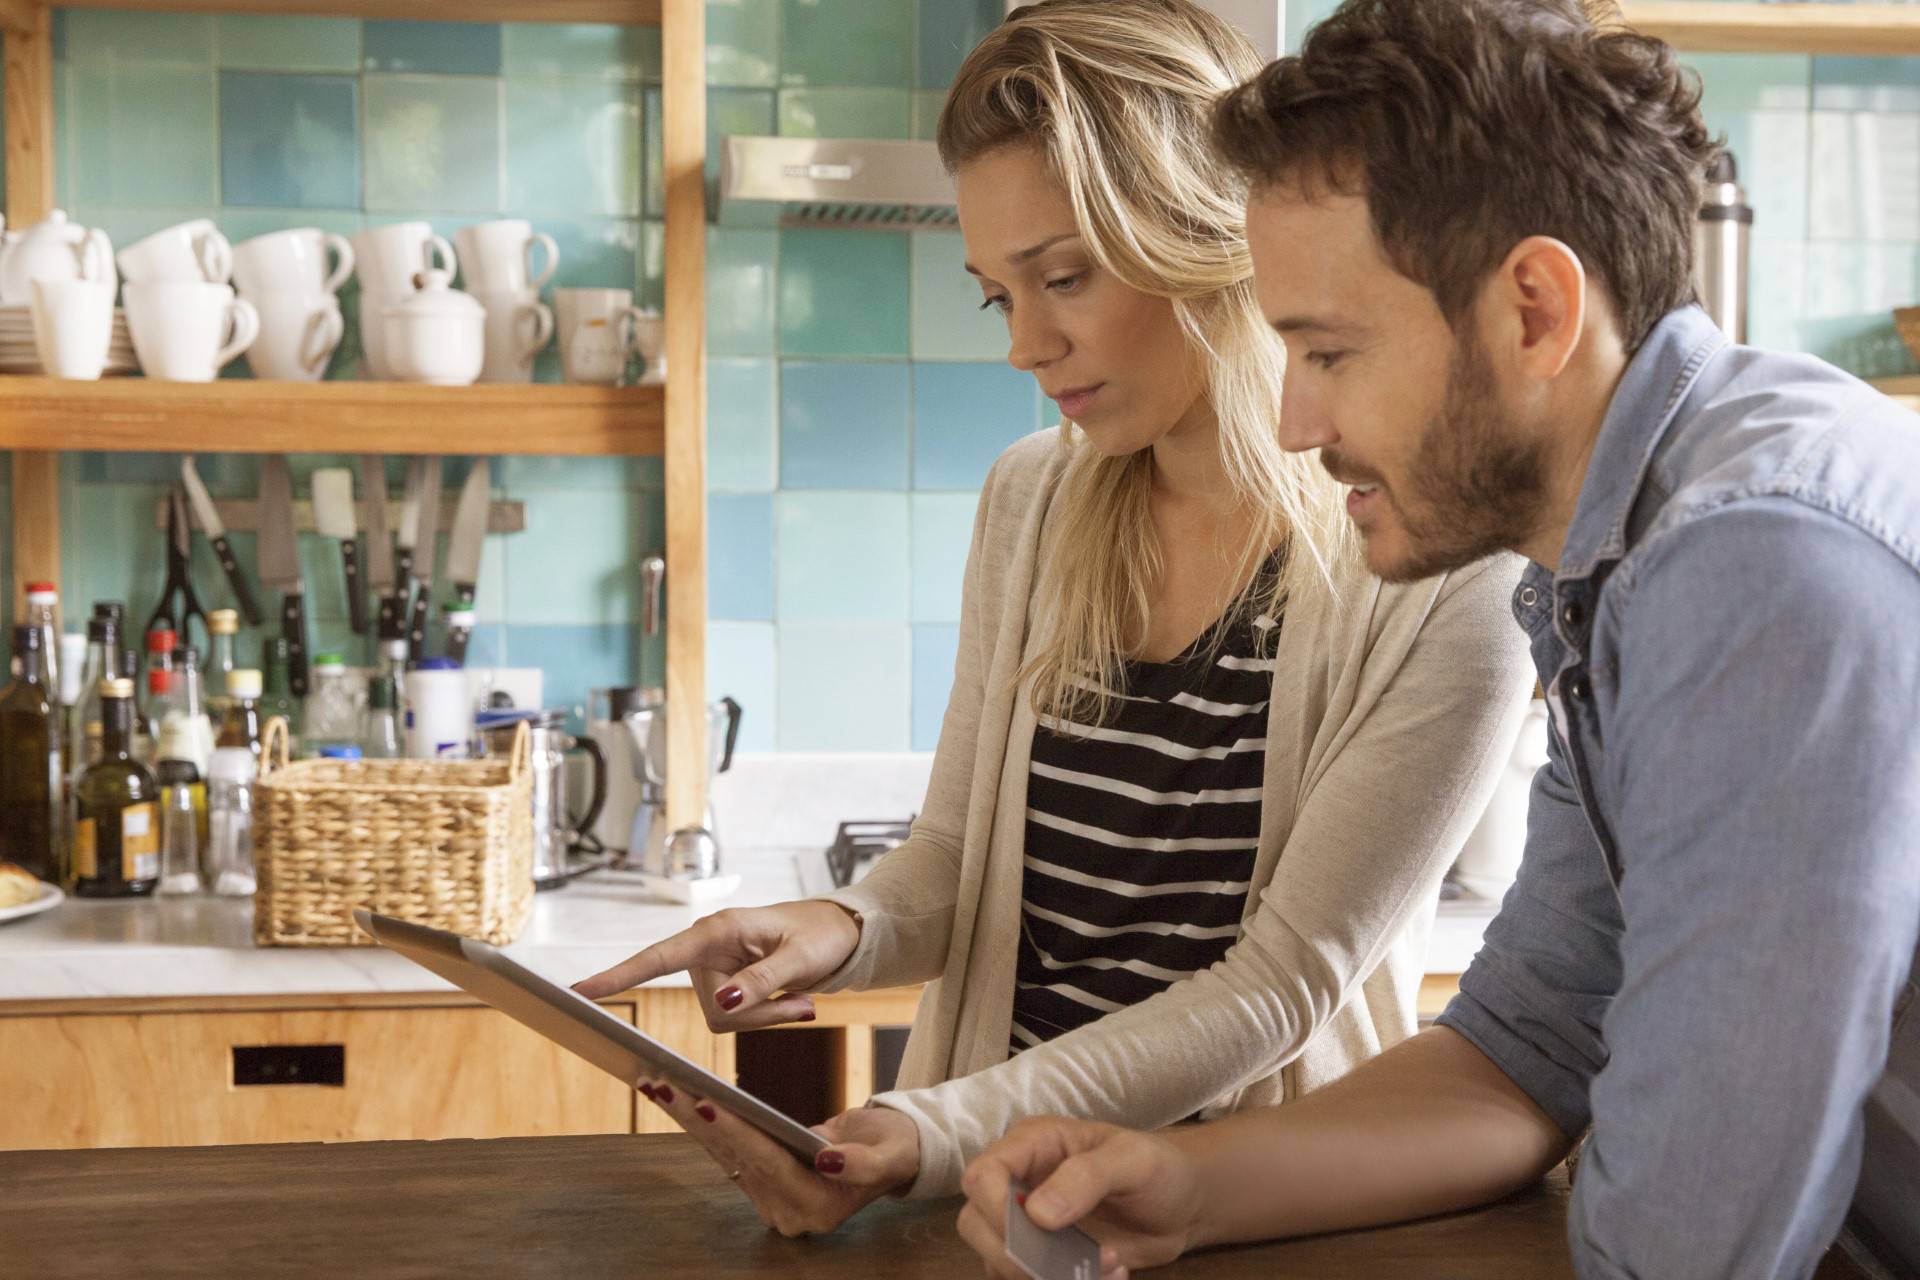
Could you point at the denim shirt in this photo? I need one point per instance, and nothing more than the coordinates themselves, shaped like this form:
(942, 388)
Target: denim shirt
(1709, 953)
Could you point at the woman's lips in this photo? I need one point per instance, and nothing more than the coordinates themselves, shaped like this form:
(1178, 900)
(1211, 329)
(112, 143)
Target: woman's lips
(1074, 403)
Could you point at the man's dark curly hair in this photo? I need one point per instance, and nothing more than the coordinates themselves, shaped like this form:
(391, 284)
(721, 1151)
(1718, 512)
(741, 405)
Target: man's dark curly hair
(1469, 125)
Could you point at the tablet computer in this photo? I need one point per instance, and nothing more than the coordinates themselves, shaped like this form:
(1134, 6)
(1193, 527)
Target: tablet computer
(574, 1022)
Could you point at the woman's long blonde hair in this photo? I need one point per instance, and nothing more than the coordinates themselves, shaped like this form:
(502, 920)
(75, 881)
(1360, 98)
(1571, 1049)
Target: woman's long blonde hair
(1119, 95)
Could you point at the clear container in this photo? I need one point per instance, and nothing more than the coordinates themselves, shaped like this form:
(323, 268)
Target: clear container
(229, 860)
(332, 709)
(380, 737)
(179, 841)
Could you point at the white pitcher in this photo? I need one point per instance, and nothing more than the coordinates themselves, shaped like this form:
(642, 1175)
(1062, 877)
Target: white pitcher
(55, 249)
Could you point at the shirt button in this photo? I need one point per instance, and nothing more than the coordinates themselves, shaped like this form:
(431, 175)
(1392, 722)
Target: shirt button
(1578, 689)
(1573, 614)
(1529, 597)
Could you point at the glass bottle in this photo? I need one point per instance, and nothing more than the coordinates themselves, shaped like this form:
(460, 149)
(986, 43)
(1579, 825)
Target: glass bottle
(43, 611)
(380, 730)
(103, 663)
(229, 849)
(178, 766)
(161, 700)
(276, 696)
(116, 834)
(223, 626)
(240, 727)
(182, 799)
(332, 716)
(31, 780)
(190, 701)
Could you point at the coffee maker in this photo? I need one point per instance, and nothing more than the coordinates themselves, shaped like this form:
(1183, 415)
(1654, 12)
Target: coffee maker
(649, 845)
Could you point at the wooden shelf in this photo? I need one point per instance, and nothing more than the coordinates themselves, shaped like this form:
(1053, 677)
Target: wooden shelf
(244, 416)
(1703, 26)
(641, 13)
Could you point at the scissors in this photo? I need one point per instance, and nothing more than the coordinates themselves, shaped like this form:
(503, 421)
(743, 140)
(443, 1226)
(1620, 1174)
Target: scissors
(179, 581)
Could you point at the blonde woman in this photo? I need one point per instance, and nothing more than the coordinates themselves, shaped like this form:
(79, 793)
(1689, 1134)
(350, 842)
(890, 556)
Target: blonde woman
(1200, 774)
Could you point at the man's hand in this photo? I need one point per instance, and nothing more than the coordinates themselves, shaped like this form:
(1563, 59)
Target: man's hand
(1138, 1194)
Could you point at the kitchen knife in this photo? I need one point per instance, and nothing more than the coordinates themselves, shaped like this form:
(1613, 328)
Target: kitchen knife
(423, 555)
(404, 535)
(217, 535)
(464, 547)
(373, 483)
(333, 518)
(280, 563)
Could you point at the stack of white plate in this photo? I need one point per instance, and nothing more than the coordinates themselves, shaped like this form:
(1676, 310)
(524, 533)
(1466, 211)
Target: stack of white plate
(17, 353)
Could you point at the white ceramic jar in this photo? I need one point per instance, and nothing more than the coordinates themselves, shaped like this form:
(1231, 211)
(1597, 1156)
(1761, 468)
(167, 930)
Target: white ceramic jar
(435, 334)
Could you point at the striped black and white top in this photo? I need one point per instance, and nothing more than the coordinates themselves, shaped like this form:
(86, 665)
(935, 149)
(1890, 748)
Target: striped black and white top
(1141, 834)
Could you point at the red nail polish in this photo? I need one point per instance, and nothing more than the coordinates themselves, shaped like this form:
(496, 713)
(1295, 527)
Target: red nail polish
(729, 997)
(648, 1090)
(1020, 1198)
(808, 1016)
(665, 1093)
(830, 1162)
(706, 1112)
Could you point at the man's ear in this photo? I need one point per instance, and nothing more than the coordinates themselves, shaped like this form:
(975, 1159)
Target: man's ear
(1537, 305)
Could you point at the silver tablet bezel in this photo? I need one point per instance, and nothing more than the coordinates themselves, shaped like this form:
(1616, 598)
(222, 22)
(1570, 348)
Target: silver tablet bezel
(577, 1024)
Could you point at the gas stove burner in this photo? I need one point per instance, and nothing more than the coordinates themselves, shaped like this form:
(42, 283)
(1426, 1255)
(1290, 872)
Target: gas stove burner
(859, 842)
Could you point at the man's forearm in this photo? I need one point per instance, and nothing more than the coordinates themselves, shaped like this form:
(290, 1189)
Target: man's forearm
(1430, 1126)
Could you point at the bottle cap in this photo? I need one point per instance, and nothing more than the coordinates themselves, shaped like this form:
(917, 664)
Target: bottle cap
(224, 622)
(329, 660)
(161, 640)
(159, 681)
(437, 664)
(42, 593)
(342, 751)
(116, 687)
(244, 682)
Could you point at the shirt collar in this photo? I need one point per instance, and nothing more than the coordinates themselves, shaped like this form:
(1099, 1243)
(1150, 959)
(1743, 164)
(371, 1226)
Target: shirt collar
(1643, 407)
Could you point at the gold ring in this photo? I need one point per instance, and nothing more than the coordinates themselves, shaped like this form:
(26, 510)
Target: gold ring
(735, 1175)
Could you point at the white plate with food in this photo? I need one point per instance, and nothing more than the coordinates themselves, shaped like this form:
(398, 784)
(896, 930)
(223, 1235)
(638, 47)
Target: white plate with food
(22, 895)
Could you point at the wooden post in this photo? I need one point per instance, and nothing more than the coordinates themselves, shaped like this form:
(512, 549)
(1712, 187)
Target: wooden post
(28, 29)
(683, 99)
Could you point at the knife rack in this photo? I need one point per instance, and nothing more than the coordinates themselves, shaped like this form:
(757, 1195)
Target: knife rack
(242, 516)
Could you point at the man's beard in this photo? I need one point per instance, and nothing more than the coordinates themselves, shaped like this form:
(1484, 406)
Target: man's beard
(1475, 486)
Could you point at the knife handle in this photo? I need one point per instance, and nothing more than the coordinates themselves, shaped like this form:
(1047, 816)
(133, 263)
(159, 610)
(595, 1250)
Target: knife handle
(356, 601)
(293, 625)
(417, 628)
(393, 621)
(457, 635)
(237, 580)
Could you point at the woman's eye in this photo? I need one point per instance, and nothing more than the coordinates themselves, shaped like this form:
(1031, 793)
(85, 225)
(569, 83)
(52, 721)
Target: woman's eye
(998, 301)
(1065, 284)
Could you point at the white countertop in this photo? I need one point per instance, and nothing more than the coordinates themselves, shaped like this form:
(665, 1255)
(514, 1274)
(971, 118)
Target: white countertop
(203, 946)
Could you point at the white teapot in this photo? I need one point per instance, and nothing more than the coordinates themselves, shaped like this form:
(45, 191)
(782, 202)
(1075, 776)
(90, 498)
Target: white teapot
(435, 334)
(55, 249)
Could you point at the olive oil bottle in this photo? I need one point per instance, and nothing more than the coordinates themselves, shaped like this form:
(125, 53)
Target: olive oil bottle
(116, 830)
(31, 781)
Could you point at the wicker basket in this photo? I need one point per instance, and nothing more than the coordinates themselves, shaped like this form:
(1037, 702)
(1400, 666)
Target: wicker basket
(447, 843)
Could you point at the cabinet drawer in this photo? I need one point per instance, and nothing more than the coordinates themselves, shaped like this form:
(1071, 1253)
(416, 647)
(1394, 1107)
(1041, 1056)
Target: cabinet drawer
(189, 1078)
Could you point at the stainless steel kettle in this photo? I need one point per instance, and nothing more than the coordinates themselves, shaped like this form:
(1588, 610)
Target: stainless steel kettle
(649, 841)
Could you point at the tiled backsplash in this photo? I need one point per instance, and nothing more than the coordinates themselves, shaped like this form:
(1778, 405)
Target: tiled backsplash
(857, 395)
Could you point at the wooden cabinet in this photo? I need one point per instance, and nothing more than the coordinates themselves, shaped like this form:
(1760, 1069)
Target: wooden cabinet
(333, 1069)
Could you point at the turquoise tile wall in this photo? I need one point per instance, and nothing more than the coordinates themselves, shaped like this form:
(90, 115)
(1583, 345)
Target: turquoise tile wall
(856, 394)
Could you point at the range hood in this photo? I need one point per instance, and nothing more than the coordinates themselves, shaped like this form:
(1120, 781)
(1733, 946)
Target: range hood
(840, 182)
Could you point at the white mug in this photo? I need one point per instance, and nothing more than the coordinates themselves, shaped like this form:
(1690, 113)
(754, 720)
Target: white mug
(497, 256)
(193, 252)
(518, 326)
(298, 333)
(597, 331)
(185, 332)
(72, 327)
(388, 258)
(291, 262)
(650, 340)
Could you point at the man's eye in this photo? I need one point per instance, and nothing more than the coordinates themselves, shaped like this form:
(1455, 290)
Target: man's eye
(1326, 359)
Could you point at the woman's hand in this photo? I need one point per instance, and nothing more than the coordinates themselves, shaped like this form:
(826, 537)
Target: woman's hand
(744, 962)
(875, 1151)
(1138, 1194)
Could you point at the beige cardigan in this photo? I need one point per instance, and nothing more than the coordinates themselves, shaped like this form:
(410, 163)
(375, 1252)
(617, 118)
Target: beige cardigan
(1391, 717)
